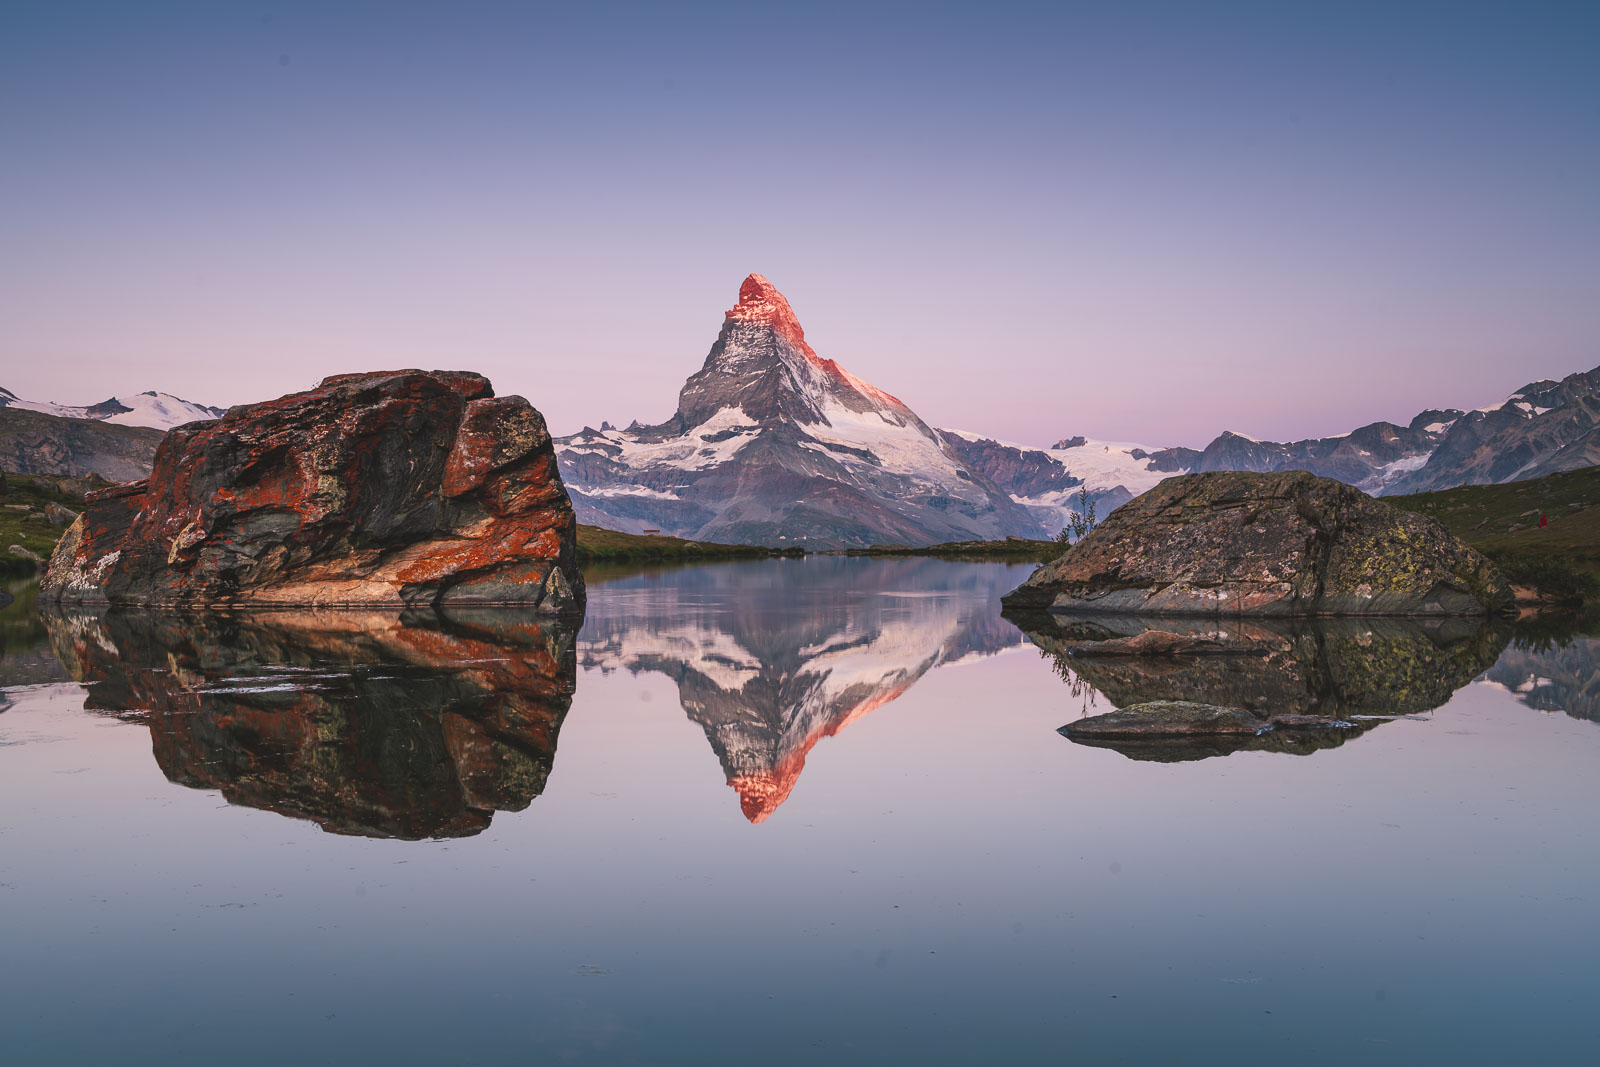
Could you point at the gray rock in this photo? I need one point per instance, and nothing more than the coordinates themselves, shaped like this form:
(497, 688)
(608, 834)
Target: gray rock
(57, 515)
(1285, 544)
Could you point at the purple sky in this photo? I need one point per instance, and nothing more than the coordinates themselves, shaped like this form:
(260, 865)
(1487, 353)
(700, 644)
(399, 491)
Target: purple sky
(1137, 221)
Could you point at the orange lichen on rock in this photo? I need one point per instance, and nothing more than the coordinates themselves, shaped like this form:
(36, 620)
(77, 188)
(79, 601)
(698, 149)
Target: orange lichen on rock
(389, 488)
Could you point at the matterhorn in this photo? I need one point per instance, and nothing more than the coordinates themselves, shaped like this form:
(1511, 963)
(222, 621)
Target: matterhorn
(772, 444)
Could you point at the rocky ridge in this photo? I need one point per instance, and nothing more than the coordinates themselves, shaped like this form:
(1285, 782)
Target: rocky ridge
(156, 410)
(34, 442)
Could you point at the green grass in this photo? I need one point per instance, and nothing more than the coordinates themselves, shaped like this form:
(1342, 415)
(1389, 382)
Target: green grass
(22, 521)
(597, 545)
(1561, 560)
(1012, 548)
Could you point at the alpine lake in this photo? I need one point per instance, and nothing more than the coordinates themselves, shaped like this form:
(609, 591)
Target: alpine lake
(803, 811)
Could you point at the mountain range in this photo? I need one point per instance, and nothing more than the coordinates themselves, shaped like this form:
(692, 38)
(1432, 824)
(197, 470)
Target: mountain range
(161, 411)
(773, 444)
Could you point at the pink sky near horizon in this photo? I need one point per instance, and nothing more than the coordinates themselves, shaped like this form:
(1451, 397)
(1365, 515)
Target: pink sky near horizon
(1149, 224)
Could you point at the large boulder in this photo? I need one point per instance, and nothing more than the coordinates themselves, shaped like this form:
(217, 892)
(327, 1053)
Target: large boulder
(1287, 543)
(383, 489)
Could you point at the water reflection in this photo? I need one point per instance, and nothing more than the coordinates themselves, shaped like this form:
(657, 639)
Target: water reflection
(1553, 677)
(417, 726)
(769, 659)
(421, 726)
(373, 724)
(1356, 673)
(25, 656)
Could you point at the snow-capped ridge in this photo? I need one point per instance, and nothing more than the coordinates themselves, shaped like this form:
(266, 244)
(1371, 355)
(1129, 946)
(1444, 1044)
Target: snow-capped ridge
(157, 410)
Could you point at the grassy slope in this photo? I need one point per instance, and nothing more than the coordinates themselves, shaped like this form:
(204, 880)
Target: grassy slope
(1502, 521)
(1012, 548)
(29, 528)
(1507, 516)
(598, 545)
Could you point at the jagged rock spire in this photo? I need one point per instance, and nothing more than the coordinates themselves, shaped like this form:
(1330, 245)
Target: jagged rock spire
(761, 303)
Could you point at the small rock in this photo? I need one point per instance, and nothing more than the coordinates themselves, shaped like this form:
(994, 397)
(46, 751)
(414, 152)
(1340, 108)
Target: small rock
(57, 515)
(1167, 718)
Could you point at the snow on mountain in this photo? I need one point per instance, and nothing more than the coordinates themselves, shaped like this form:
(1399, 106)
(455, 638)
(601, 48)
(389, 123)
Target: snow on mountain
(773, 444)
(161, 411)
(1050, 481)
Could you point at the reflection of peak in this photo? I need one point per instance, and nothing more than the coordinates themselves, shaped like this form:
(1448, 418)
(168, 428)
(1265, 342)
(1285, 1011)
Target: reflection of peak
(769, 669)
(761, 793)
(1564, 678)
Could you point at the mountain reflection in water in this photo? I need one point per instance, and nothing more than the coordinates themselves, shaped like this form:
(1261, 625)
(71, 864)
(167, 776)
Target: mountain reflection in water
(771, 659)
(1553, 677)
(1356, 672)
(421, 726)
(375, 724)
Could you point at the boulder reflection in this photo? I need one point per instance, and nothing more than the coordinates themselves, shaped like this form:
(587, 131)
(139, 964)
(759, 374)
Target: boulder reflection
(769, 659)
(1358, 673)
(379, 725)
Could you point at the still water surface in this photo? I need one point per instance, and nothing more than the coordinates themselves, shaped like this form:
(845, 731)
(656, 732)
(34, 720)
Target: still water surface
(787, 812)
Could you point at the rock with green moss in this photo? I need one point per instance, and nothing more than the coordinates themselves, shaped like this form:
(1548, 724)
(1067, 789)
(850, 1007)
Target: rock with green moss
(1281, 544)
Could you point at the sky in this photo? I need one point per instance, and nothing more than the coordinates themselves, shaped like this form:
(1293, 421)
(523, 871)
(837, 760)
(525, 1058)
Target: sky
(1143, 222)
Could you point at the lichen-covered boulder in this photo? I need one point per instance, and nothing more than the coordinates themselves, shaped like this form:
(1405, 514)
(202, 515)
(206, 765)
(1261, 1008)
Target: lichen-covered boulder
(1285, 543)
(384, 489)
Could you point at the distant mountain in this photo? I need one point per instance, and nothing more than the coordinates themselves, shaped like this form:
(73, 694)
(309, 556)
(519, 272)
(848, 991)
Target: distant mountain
(772, 444)
(1048, 481)
(1543, 428)
(161, 411)
(1374, 457)
(35, 442)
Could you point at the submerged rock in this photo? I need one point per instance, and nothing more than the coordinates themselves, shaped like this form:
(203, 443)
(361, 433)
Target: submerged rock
(1306, 676)
(1167, 643)
(385, 489)
(1290, 543)
(1168, 718)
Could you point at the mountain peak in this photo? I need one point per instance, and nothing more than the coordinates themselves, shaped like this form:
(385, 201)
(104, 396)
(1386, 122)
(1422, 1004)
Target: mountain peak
(761, 303)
